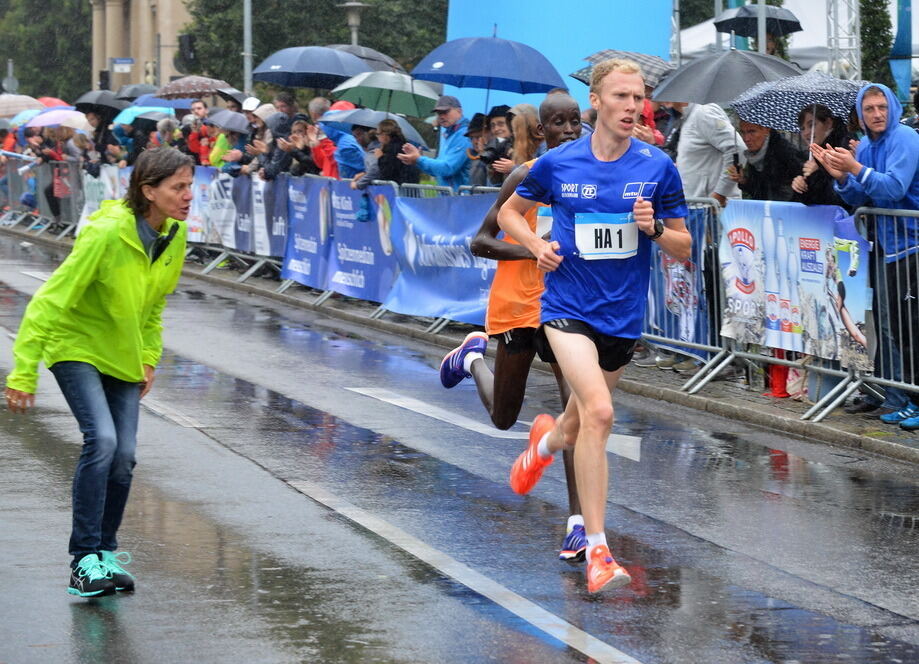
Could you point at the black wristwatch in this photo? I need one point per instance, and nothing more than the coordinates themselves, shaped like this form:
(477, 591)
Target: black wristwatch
(658, 229)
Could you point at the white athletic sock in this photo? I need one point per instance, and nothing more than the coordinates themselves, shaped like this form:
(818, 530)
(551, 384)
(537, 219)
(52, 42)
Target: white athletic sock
(469, 359)
(575, 520)
(543, 447)
(594, 539)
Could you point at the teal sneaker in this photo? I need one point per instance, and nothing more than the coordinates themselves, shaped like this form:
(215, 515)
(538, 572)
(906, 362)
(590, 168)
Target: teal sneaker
(90, 578)
(113, 562)
(908, 411)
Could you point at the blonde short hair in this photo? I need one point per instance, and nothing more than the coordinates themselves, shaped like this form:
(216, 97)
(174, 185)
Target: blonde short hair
(602, 69)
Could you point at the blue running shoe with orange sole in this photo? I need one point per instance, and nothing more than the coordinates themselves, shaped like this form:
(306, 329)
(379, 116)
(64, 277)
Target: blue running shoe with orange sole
(451, 367)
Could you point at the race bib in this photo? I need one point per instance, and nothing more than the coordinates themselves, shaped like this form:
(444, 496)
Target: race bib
(600, 235)
(543, 221)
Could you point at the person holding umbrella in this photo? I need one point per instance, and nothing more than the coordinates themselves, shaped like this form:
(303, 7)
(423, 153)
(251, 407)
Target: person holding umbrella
(611, 197)
(452, 164)
(97, 325)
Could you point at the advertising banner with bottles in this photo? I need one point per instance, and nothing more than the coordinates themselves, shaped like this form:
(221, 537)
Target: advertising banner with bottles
(795, 278)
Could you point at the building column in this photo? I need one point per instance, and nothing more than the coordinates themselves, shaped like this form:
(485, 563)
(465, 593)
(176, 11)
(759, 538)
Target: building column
(99, 62)
(145, 32)
(114, 37)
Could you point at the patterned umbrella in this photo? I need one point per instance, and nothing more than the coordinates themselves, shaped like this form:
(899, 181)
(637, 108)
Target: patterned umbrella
(23, 116)
(653, 67)
(776, 104)
(191, 86)
(10, 105)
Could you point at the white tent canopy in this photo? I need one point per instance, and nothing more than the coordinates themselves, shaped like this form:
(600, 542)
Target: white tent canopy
(806, 48)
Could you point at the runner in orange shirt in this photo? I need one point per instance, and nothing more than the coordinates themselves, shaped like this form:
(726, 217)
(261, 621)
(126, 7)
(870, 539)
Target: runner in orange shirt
(512, 317)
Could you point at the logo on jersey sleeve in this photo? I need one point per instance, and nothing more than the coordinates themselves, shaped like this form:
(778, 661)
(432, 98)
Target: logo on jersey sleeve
(633, 190)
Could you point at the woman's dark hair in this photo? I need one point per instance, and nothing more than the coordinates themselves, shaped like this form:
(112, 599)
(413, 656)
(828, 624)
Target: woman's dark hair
(819, 111)
(151, 168)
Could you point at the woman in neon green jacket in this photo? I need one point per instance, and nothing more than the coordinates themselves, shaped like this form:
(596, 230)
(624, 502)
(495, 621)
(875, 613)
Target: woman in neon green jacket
(96, 324)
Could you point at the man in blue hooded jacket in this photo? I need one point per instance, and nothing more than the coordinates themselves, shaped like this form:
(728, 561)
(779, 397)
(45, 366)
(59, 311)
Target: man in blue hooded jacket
(884, 173)
(451, 167)
(348, 152)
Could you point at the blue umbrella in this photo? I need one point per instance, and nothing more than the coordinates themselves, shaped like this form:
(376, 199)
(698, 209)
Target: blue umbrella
(309, 67)
(24, 116)
(152, 100)
(365, 117)
(491, 63)
(127, 115)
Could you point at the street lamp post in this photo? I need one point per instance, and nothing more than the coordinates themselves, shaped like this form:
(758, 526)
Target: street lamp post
(353, 10)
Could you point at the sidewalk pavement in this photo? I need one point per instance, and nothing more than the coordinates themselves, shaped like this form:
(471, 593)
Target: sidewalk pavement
(729, 399)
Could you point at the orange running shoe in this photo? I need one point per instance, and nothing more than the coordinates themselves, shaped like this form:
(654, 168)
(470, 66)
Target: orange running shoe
(604, 572)
(528, 467)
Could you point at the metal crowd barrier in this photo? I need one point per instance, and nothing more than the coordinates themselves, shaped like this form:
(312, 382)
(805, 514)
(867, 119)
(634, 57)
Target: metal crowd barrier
(424, 191)
(891, 329)
(468, 190)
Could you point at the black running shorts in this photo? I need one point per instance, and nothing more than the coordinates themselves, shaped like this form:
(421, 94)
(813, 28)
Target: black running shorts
(614, 352)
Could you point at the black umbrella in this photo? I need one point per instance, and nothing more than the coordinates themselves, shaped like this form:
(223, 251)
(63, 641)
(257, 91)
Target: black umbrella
(721, 77)
(744, 21)
(147, 121)
(132, 91)
(374, 59)
(101, 102)
(232, 94)
(309, 67)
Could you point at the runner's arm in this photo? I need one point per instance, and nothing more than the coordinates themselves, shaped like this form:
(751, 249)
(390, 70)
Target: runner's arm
(676, 241)
(512, 222)
(486, 243)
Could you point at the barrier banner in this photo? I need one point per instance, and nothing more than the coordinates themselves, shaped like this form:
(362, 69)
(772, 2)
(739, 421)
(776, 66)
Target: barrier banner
(269, 216)
(439, 275)
(98, 189)
(242, 201)
(221, 211)
(358, 264)
(197, 216)
(306, 256)
(677, 306)
(795, 278)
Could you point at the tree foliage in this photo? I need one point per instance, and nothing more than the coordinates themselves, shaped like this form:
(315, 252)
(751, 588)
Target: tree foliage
(50, 44)
(876, 41)
(406, 30)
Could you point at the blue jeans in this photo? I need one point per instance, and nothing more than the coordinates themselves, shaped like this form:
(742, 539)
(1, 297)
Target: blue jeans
(106, 409)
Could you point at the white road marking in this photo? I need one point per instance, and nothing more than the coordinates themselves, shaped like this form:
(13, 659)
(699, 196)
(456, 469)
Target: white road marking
(534, 614)
(170, 413)
(41, 276)
(622, 445)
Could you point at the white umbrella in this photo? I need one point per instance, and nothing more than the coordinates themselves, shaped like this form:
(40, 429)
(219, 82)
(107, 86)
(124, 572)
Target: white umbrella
(10, 105)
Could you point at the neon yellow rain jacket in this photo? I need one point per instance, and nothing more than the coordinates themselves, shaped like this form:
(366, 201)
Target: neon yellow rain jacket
(103, 304)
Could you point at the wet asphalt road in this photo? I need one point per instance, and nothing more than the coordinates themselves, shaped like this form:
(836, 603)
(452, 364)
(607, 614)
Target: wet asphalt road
(262, 459)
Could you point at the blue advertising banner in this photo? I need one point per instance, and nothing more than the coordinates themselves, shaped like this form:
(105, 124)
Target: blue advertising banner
(358, 264)
(221, 211)
(307, 254)
(795, 279)
(242, 201)
(439, 275)
(677, 306)
(269, 216)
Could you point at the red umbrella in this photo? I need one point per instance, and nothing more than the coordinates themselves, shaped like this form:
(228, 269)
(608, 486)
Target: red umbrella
(48, 102)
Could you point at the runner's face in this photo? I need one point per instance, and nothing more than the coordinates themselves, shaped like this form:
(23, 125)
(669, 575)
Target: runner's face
(618, 103)
(564, 125)
(172, 196)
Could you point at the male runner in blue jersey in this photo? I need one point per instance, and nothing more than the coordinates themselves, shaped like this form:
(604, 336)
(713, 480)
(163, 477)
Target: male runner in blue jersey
(611, 196)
